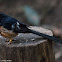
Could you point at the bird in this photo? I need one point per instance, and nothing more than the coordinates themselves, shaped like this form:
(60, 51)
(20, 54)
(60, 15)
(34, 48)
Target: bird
(10, 27)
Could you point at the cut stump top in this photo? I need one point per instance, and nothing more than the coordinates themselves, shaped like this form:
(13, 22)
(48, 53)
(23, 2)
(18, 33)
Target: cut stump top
(28, 39)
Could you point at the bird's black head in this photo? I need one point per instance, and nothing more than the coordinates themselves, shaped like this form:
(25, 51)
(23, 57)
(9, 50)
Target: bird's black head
(6, 21)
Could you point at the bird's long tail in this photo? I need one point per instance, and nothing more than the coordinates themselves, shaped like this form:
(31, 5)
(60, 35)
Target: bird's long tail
(46, 36)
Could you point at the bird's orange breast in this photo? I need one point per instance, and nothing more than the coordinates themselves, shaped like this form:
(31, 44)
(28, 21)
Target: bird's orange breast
(7, 33)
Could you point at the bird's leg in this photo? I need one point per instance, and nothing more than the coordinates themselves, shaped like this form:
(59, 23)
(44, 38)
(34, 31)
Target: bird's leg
(10, 41)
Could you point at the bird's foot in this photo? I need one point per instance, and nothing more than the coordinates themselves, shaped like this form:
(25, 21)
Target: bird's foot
(10, 41)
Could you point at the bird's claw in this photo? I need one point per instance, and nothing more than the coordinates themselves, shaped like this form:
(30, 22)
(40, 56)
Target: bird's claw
(9, 42)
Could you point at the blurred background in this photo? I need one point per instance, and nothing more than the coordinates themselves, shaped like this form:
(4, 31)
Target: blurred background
(44, 13)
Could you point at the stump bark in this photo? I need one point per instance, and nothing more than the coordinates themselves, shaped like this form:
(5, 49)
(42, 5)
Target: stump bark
(28, 48)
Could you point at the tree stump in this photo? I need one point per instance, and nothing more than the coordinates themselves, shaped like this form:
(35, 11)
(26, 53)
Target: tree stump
(28, 48)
